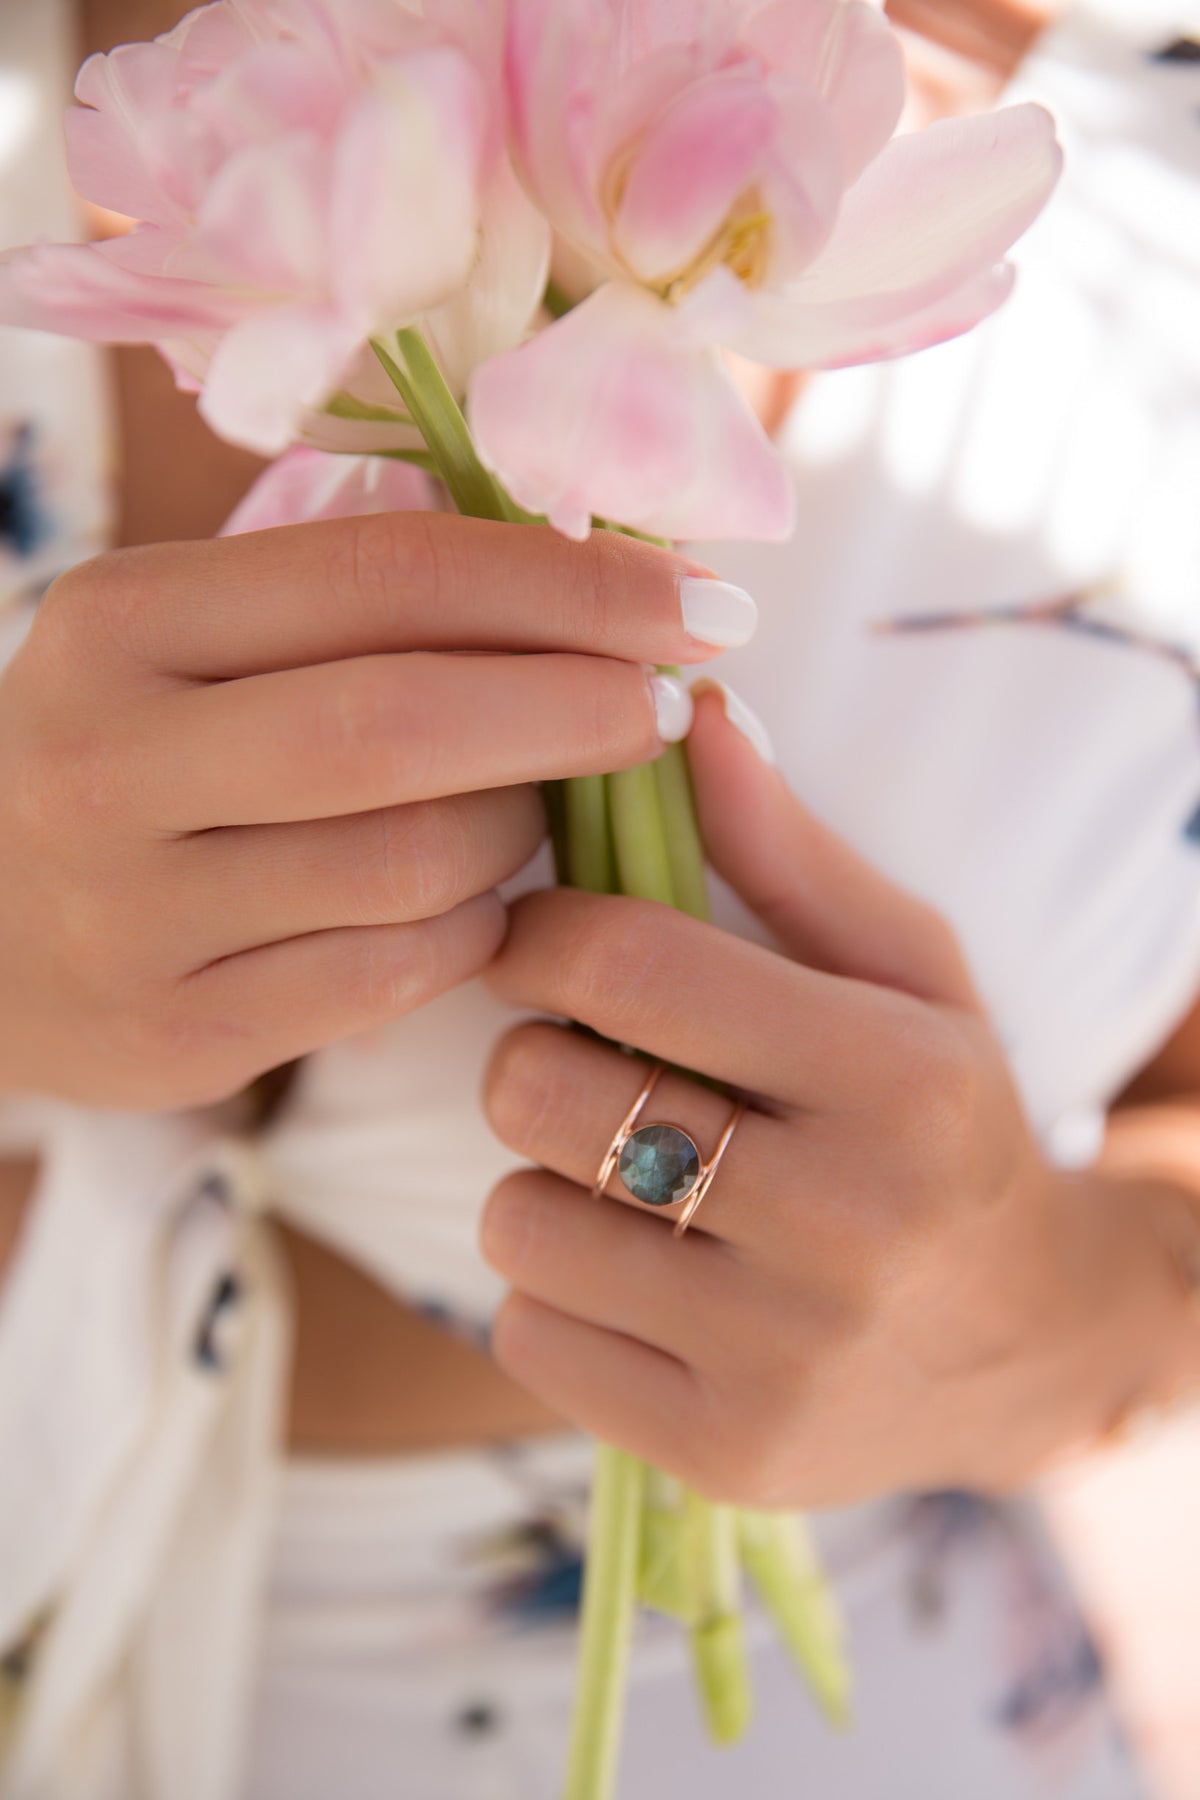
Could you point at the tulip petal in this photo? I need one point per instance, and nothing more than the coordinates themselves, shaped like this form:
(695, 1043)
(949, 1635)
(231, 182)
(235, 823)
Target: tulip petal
(405, 207)
(935, 212)
(75, 289)
(609, 413)
(948, 317)
(268, 370)
(305, 484)
(498, 303)
(703, 152)
(261, 223)
(107, 166)
(848, 52)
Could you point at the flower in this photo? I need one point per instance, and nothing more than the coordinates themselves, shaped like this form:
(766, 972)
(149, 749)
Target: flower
(305, 484)
(728, 170)
(304, 174)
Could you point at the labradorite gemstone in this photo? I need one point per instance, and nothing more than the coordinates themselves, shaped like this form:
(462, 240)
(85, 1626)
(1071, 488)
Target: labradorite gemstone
(659, 1164)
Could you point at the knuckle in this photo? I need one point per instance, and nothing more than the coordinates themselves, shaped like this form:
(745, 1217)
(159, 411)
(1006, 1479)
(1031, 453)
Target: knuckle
(618, 951)
(410, 863)
(509, 1224)
(371, 711)
(517, 1085)
(935, 1089)
(383, 557)
(107, 599)
(73, 782)
(585, 597)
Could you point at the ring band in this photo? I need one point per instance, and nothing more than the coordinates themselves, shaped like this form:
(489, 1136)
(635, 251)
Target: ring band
(667, 1166)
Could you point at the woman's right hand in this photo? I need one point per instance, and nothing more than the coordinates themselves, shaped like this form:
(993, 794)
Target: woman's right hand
(256, 794)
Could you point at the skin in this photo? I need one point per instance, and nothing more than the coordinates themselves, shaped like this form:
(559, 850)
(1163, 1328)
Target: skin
(161, 796)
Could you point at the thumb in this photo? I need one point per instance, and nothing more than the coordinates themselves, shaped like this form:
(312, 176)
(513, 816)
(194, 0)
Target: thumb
(829, 907)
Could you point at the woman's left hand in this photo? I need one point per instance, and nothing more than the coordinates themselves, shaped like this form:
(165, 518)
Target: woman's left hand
(887, 1287)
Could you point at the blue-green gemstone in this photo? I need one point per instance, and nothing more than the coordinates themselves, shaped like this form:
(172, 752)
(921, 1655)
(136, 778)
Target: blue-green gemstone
(659, 1165)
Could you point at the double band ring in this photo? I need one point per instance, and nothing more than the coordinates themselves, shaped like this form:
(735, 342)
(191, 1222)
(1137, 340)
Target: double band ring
(659, 1163)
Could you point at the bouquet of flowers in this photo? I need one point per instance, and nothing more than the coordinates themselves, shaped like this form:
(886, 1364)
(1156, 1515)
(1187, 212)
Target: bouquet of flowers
(508, 242)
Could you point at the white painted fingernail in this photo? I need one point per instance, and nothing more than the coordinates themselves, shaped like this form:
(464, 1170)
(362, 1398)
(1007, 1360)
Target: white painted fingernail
(716, 612)
(673, 707)
(747, 722)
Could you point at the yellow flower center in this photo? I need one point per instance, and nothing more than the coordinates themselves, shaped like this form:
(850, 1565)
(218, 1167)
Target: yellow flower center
(742, 244)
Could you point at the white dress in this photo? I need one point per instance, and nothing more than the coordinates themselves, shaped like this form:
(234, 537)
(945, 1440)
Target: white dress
(979, 661)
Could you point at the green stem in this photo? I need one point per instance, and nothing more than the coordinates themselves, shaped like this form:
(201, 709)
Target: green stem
(590, 861)
(414, 373)
(718, 1640)
(681, 831)
(778, 1555)
(554, 799)
(605, 1624)
(643, 866)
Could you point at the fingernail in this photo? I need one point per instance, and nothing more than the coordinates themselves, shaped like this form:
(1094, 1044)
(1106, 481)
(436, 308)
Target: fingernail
(716, 612)
(673, 707)
(743, 719)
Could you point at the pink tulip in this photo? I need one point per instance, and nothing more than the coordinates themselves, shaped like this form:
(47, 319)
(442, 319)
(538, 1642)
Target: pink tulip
(305, 484)
(726, 169)
(304, 173)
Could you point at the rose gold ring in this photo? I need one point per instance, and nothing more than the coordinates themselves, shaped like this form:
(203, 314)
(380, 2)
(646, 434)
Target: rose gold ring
(659, 1163)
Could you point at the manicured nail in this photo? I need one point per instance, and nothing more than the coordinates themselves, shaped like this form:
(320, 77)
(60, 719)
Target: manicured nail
(716, 612)
(742, 719)
(673, 707)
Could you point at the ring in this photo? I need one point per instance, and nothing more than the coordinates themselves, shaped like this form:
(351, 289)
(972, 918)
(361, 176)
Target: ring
(659, 1163)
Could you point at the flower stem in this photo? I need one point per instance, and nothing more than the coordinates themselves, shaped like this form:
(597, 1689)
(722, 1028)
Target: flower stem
(681, 833)
(778, 1555)
(414, 373)
(639, 836)
(590, 860)
(606, 1624)
(718, 1643)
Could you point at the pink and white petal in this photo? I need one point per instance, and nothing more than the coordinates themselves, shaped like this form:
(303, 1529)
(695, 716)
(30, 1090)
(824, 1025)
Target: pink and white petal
(607, 413)
(272, 91)
(210, 37)
(146, 250)
(803, 180)
(261, 224)
(936, 208)
(496, 308)
(305, 484)
(268, 370)
(719, 309)
(871, 330)
(849, 53)
(405, 209)
(696, 159)
(557, 63)
(76, 290)
(948, 317)
(321, 430)
(133, 82)
(108, 167)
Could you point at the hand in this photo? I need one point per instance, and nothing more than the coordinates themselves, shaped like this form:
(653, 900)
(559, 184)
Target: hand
(254, 797)
(886, 1287)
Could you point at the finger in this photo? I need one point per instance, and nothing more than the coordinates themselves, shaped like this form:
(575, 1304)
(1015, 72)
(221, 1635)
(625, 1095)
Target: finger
(248, 885)
(344, 588)
(621, 1391)
(688, 994)
(552, 1241)
(387, 730)
(556, 1098)
(828, 906)
(265, 1007)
